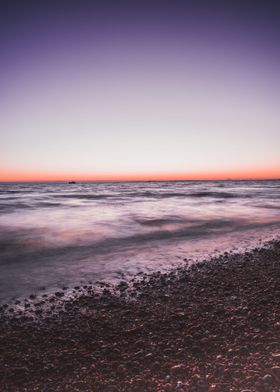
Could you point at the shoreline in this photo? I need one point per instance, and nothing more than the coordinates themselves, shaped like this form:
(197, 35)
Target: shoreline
(167, 256)
(213, 326)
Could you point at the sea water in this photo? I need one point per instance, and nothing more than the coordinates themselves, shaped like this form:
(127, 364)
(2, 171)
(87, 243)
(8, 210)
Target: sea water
(60, 234)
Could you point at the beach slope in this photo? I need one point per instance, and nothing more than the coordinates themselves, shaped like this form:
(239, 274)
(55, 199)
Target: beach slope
(214, 326)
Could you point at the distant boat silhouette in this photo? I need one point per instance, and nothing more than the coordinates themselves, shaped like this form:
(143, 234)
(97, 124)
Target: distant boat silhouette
(71, 182)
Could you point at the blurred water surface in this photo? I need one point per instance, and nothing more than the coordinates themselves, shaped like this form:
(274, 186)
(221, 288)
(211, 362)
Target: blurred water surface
(55, 234)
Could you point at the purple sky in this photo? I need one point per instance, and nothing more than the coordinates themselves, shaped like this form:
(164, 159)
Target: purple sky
(122, 88)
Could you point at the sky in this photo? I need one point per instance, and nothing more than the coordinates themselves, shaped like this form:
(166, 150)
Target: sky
(139, 90)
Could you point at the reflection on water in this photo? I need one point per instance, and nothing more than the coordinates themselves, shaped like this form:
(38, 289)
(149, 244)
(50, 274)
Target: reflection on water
(52, 234)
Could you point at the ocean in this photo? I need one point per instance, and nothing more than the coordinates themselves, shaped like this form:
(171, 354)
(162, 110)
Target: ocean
(59, 234)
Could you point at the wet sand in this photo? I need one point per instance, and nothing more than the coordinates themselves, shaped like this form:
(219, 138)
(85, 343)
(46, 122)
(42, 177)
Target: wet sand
(214, 326)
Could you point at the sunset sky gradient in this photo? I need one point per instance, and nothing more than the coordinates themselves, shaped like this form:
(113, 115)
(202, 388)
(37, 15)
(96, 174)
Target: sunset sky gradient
(155, 90)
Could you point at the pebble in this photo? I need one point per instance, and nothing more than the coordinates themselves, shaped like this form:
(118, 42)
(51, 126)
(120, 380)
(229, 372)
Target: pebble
(179, 384)
(268, 378)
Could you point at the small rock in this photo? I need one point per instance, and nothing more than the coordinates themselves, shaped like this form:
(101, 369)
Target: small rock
(59, 294)
(268, 378)
(276, 370)
(179, 384)
(177, 368)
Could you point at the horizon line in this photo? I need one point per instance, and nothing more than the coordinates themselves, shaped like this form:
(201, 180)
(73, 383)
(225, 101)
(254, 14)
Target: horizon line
(143, 180)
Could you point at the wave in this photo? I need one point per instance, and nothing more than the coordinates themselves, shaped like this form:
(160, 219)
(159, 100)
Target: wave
(150, 194)
(48, 204)
(162, 195)
(85, 196)
(269, 206)
(24, 244)
(9, 207)
(160, 221)
(223, 195)
(23, 247)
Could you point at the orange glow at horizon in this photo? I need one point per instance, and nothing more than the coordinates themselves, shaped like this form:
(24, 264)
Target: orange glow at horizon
(30, 176)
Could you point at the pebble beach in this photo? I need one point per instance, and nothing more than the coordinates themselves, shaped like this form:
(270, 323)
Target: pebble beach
(210, 326)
